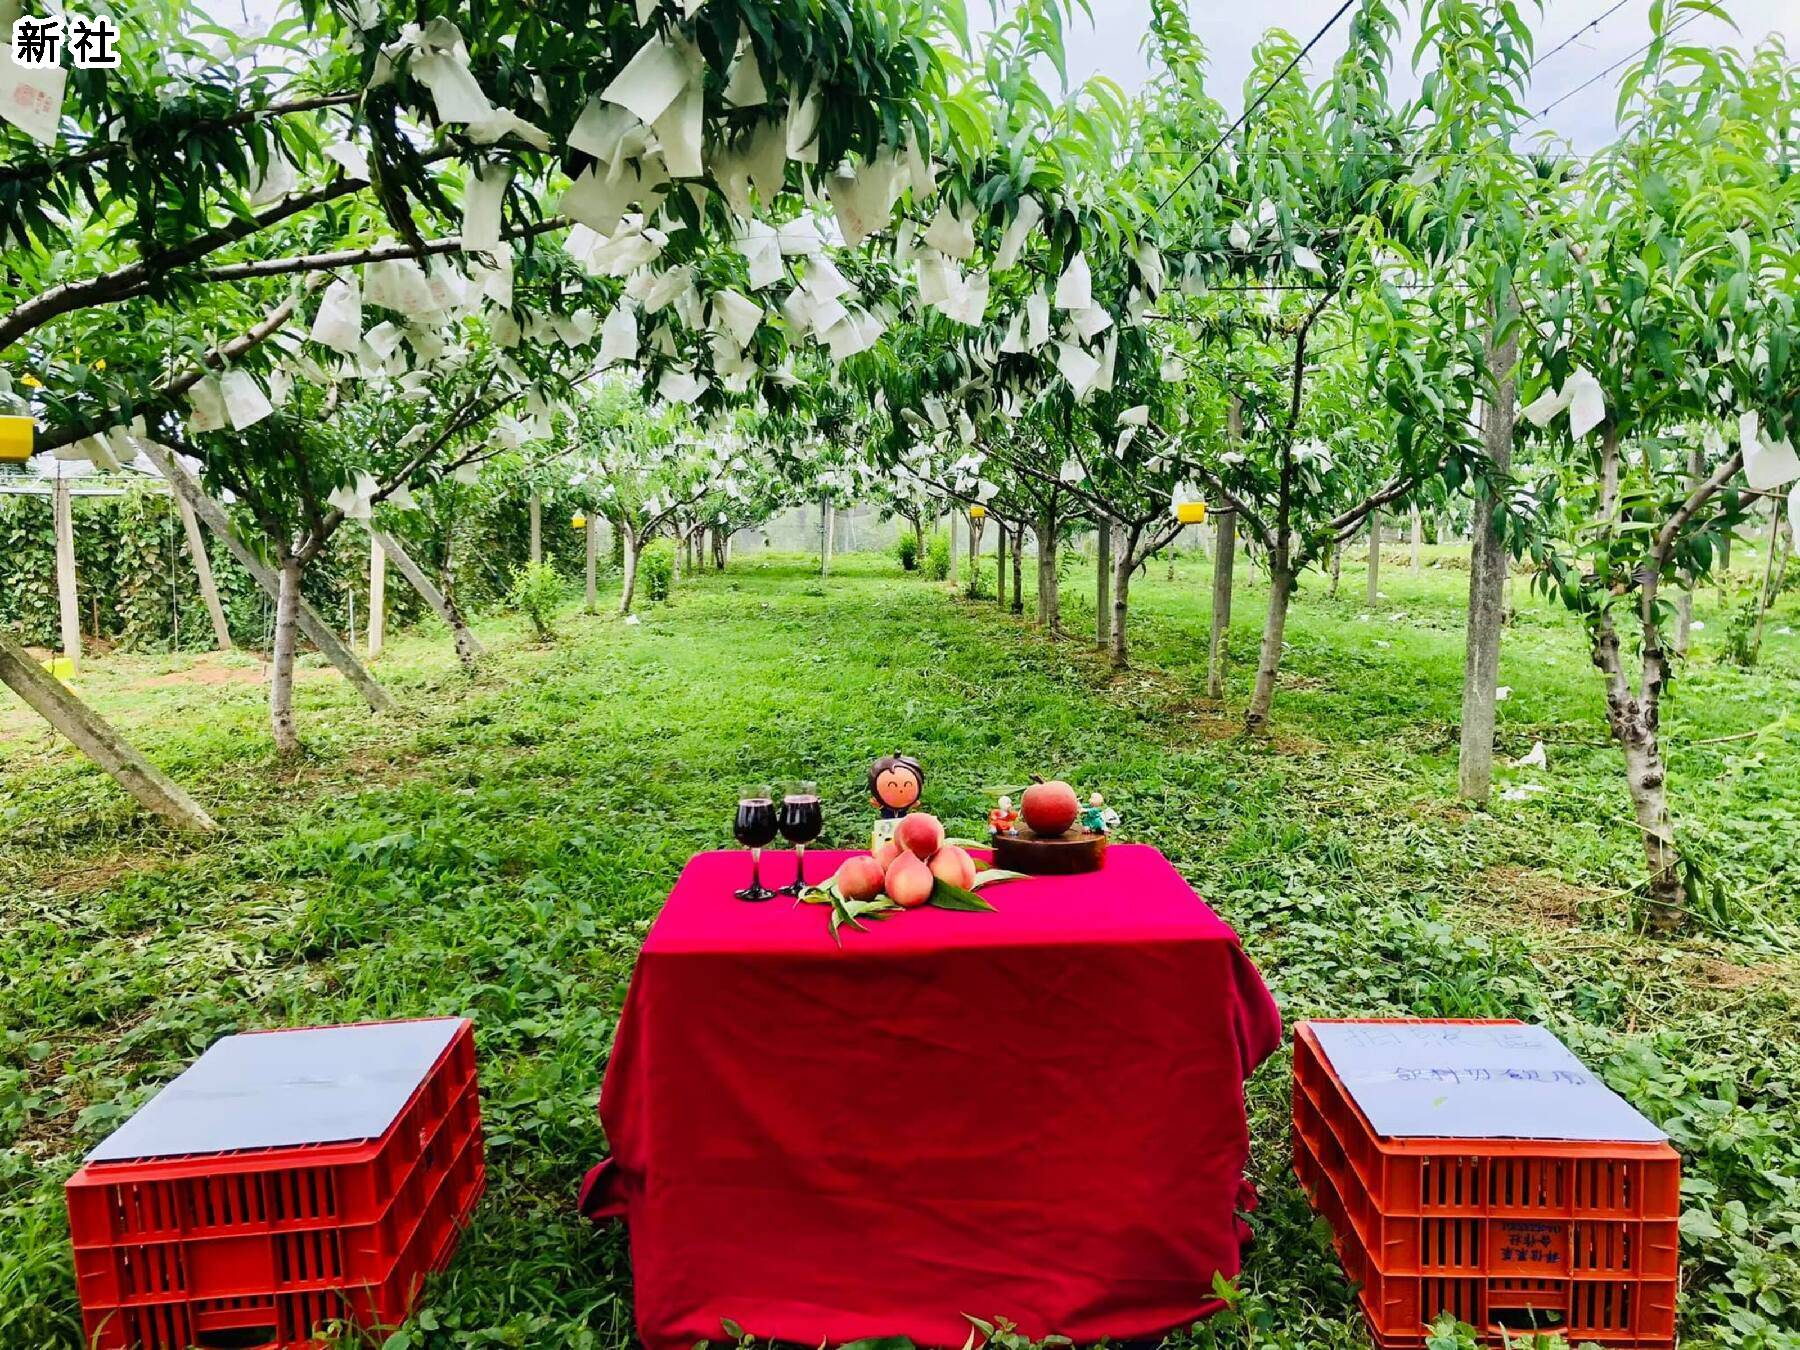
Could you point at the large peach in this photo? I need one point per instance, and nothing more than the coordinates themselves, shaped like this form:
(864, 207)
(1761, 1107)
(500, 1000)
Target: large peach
(886, 853)
(953, 864)
(909, 881)
(1049, 808)
(920, 834)
(860, 878)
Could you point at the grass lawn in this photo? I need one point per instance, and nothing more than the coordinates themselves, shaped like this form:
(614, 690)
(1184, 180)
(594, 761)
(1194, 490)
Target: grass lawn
(500, 846)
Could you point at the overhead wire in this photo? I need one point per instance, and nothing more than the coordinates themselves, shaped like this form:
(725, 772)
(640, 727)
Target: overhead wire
(1261, 98)
(1592, 80)
(1586, 28)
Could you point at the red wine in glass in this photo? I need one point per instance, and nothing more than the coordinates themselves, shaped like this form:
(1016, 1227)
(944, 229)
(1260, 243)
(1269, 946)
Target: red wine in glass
(754, 827)
(800, 820)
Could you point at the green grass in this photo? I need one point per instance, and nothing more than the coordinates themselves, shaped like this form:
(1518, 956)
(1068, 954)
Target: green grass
(500, 847)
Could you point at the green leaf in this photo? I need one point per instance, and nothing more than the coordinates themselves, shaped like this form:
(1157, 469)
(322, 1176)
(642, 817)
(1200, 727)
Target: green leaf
(946, 896)
(992, 875)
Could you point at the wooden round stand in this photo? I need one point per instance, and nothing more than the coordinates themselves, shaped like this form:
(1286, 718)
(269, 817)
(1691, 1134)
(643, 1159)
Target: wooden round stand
(1077, 851)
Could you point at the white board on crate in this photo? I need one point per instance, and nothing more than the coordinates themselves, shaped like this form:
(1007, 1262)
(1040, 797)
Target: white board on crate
(1449, 1080)
(278, 1089)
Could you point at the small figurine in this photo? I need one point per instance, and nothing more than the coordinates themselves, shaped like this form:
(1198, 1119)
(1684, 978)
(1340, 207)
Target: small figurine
(1097, 816)
(895, 784)
(1002, 818)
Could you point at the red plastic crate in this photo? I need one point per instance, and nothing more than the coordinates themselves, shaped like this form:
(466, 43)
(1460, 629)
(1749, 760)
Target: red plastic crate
(1508, 1235)
(258, 1248)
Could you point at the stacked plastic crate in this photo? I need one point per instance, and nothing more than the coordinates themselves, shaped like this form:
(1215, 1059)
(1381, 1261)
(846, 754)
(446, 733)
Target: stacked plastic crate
(1520, 1232)
(288, 1180)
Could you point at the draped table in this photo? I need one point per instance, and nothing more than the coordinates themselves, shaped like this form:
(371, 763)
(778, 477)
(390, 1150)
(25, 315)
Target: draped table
(1036, 1113)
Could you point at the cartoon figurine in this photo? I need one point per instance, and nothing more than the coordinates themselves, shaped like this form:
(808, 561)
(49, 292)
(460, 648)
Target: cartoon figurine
(895, 783)
(1097, 816)
(1002, 818)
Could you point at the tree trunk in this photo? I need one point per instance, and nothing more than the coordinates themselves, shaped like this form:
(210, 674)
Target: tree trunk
(1487, 585)
(1633, 721)
(1048, 603)
(1103, 566)
(68, 606)
(1418, 539)
(1268, 661)
(591, 597)
(1124, 563)
(467, 647)
(919, 539)
(628, 583)
(281, 664)
(1018, 566)
(1000, 567)
(825, 532)
(1374, 596)
(675, 559)
(537, 530)
(209, 587)
(312, 623)
(377, 597)
(1337, 568)
(1224, 555)
(91, 735)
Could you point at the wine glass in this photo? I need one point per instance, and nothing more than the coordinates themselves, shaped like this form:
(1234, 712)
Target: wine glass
(754, 827)
(800, 820)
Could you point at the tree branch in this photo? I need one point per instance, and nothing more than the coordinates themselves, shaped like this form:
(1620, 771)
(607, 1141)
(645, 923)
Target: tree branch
(164, 397)
(95, 153)
(315, 262)
(134, 277)
(1672, 527)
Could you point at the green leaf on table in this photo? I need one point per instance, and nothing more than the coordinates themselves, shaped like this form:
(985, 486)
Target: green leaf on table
(732, 1329)
(879, 1343)
(819, 895)
(946, 896)
(991, 875)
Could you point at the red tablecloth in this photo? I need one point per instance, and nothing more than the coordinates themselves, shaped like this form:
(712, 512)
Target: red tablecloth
(1036, 1113)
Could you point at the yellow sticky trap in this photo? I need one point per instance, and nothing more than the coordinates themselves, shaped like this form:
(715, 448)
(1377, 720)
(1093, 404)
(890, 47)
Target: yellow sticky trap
(978, 512)
(60, 668)
(1191, 513)
(578, 522)
(16, 438)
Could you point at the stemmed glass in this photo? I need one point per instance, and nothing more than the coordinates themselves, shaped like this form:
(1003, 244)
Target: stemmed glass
(754, 827)
(800, 820)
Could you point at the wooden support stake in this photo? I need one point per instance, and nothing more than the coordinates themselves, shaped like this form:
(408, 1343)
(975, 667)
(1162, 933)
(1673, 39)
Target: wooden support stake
(209, 588)
(377, 597)
(1374, 593)
(593, 564)
(65, 571)
(1224, 558)
(94, 738)
(311, 622)
(1000, 568)
(1103, 569)
(467, 646)
(537, 530)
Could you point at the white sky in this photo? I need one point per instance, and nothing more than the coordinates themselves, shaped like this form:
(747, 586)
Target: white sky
(1230, 28)
(1112, 46)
